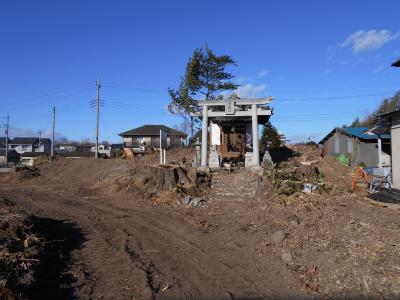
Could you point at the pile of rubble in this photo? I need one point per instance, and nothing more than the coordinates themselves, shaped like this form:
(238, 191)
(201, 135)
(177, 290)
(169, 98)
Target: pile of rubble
(291, 177)
(335, 240)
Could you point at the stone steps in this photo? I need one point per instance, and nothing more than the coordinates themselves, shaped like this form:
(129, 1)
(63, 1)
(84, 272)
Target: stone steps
(237, 186)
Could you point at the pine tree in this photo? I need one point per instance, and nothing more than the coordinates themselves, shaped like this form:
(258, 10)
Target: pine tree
(387, 105)
(270, 135)
(205, 79)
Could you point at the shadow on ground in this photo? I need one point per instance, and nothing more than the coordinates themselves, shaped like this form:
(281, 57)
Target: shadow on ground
(52, 279)
(282, 154)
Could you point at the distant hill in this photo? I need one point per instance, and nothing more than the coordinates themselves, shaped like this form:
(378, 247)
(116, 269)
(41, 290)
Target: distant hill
(387, 105)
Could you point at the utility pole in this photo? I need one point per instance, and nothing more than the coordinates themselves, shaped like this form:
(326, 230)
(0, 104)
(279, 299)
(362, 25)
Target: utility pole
(52, 139)
(98, 86)
(7, 128)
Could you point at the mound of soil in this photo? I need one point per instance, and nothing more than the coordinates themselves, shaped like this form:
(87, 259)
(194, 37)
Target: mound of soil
(19, 174)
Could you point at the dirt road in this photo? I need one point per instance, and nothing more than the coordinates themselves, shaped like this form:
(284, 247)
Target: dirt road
(130, 249)
(108, 241)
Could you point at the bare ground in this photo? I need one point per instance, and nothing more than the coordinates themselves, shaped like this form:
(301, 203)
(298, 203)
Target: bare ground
(136, 250)
(130, 248)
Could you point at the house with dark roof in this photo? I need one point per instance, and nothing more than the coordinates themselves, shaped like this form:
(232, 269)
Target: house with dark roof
(149, 136)
(13, 157)
(3, 142)
(31, 145)
(359, 145)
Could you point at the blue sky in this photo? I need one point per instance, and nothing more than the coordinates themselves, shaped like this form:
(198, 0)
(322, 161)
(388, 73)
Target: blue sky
(325, 62)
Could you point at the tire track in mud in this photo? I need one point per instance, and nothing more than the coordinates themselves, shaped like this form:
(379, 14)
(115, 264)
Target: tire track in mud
(216, 268)
(164, 238)
(147, 268)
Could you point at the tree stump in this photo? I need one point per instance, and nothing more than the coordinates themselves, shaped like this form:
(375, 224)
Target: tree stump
(162, 178)
(308, 169)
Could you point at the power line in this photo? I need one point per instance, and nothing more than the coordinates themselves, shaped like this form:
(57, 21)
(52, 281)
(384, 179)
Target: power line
(139, 111)
(131, 104)
(299, 99)
(28, 106)
(136, 88)
(322, 115)
(46, 94)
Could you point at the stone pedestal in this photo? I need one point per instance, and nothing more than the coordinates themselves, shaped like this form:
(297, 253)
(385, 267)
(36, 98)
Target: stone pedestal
(267, 162)
(197, 155)
(249, 160)
(213, 159)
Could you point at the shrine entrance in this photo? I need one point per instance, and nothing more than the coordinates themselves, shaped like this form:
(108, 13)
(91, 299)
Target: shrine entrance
(233, 141)
(233, 130)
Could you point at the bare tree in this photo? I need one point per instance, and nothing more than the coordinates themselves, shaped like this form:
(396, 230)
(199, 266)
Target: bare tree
(183, 127)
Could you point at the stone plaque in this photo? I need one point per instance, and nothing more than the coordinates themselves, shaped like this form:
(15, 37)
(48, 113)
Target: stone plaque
(229, 107)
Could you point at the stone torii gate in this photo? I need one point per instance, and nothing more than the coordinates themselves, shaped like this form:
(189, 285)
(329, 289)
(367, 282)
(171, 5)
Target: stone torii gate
(233, 111)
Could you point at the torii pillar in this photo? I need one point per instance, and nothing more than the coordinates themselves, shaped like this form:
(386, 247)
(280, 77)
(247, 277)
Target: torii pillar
(204, 138)
(256, 146)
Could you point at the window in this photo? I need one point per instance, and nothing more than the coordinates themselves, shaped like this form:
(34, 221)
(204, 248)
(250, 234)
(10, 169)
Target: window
(25, 147)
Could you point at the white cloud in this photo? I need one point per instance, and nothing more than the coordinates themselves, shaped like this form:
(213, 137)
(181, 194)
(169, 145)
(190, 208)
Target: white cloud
(262, 73)
(28, 132)
(361, 40)
(241, 80)
(380, 68)
(24, 132)
(250, 91)
(331, 51)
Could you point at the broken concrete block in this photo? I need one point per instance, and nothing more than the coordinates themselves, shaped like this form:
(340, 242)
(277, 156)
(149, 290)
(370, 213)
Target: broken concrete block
(308, 188)
(286, 257)
(278, 236)
(294, 223)
(194, 201)
(198, 202)
(187, 200)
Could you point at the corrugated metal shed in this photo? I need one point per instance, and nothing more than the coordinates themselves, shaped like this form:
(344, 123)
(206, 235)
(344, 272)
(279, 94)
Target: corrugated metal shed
(358, 132)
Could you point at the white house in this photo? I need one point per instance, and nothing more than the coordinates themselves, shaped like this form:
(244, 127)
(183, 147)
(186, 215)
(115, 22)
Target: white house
(30, 144)
(149, 136)
(66, 148)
